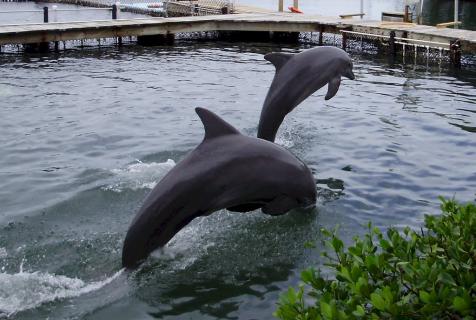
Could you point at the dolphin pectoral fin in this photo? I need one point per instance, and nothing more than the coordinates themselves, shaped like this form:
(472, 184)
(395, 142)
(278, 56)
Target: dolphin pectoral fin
(332, 87)
(247, 207)
(280, 205)
(214, 125)
(279, 59)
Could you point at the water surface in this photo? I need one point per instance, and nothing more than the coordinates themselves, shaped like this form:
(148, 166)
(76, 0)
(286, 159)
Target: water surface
(84, 135)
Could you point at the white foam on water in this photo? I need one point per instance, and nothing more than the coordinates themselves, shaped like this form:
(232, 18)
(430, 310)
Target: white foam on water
(139, 175)
(284, 141)
(285, 137)
(3, 253)
(26, 290)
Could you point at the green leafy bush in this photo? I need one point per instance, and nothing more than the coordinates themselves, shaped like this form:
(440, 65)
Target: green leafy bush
(400, 275)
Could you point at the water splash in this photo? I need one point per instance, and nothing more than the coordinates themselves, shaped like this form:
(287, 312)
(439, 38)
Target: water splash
(285, 137)
(139, 175)
(27, 290)
(3, 253)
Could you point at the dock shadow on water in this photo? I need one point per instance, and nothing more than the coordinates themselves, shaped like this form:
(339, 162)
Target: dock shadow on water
(84, 136)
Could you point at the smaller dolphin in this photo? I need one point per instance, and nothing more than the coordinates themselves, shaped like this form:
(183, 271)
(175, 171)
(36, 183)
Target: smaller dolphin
(226, 170)
(297, 77)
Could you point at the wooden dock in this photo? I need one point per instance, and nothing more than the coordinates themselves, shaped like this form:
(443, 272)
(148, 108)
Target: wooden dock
(252, 22)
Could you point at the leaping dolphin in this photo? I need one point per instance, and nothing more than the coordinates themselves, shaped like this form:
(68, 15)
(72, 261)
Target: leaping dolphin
(297, 77)
(226, 170)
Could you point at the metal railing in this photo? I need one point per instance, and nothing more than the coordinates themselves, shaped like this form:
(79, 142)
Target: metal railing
(47, 12)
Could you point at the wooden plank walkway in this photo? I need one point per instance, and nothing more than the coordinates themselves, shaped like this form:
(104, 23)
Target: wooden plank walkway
(276, 22)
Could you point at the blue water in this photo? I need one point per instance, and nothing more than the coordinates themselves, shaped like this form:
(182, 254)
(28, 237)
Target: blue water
(84, 135)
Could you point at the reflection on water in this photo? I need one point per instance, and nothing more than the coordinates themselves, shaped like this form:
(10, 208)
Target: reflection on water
(84, 136)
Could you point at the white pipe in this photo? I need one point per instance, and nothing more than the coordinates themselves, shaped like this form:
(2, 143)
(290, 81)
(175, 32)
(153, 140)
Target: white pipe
(456, 11)
(421, 12)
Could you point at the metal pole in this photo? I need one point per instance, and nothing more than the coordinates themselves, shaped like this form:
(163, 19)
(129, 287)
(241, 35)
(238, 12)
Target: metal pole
(296, 4)
(456, 19)
(45, 14)
(281, 6)
(361, 9)
(420, 18)
(114, 12)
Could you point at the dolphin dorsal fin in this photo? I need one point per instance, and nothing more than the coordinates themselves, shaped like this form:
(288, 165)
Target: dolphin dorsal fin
(279, 59)
(214, 125)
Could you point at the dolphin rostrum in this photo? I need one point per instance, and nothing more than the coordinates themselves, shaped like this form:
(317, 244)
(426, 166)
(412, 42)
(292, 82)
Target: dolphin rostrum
(226, 170)
(297, 77)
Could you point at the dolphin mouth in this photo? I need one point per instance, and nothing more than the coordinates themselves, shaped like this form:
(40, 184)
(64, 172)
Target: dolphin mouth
(350, 75)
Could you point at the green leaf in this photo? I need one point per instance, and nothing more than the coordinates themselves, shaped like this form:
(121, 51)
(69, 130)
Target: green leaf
(377, 301)
(446, 278)
(425, 296)
(359, 311)
(326, 310)
(308, 275)
(387, 295)
(337, 244)
(344, 273)
(460, 304)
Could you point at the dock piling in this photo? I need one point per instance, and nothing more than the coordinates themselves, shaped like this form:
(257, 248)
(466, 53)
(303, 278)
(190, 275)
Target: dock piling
(392, 50)
(406, 17)
(114, 11)
(344, 41)
(455, 53)
(321, 35)
(45, 15)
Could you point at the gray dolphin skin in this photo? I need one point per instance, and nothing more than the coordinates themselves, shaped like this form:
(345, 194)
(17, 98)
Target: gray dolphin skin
(297, 77)
(226, 170)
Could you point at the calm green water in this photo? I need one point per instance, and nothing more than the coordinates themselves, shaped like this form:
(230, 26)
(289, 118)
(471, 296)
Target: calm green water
(84, 136)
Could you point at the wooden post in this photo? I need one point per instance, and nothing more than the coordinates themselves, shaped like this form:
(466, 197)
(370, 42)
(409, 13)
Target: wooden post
(281, 5)
(406, 17)
(114, 11)
(391, 44)
(321, 33)
(296, 4)
(344, 40)
(45, 14)
(455, 53)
